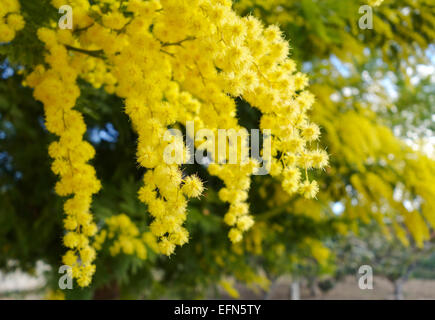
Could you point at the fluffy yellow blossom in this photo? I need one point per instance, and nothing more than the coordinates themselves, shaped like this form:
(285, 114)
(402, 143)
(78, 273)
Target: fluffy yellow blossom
(171, 62)
(56, 89)
(192, 187)
(124, 237)
(10, 20)
(309, 189)
(15, 21)
(235, 235)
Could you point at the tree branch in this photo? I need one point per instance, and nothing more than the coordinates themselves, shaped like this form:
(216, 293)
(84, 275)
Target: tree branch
(92, 53)
(178, 43)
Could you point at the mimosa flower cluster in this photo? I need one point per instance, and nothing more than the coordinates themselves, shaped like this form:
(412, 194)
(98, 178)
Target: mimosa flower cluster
(173, 61)
(10, 20)
(125, 238)
(56, 88)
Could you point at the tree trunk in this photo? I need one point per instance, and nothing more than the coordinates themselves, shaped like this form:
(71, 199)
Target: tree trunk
(109, 292)
(398, 289)
(398, 283)
(313, 288)
(295, 291)
(272, 287)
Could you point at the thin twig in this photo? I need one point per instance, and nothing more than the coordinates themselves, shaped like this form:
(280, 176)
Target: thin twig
(168, 53)
(178, 43)
(93, 53)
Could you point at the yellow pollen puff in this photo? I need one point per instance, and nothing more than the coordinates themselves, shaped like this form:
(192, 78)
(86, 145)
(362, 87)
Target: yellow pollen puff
(309, 189)
(192, 187)
(235, 235)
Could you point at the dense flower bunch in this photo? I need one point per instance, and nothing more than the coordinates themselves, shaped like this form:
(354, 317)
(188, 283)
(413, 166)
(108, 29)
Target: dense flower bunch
(10, 20)
(173, 61)
(345, 39)
(389, 183)
(55, 87)
(369, 157)
(125, 237)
